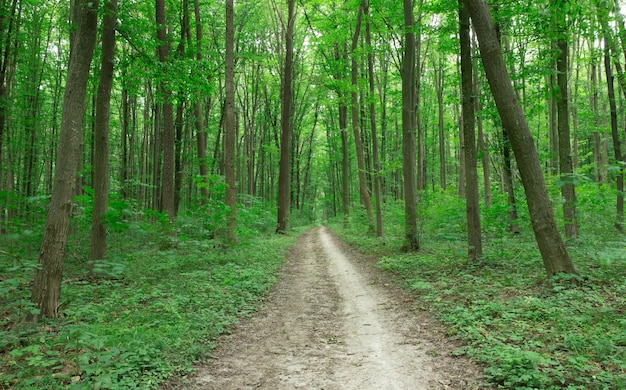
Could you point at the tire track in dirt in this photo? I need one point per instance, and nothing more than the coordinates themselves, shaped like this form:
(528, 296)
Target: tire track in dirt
(330, 323)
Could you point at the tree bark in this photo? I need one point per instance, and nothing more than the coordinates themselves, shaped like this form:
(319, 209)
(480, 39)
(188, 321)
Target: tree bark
(553, 251)
(101, 150)
(474, 238)
(411, 241)
(284, 175)
(47, 285)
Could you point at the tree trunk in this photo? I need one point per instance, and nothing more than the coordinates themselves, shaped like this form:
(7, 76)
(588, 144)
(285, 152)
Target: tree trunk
(201, 135)
(619, 223)
(555, 256)
(411, 242)
(101, 151)
(565, 156)
(47, 285)
(439, 78)
(372, 115)
(284, 174)
(167, 183)
(230, 126)
(360, 156)
(474, 239)
(483, 150)
(345, 161)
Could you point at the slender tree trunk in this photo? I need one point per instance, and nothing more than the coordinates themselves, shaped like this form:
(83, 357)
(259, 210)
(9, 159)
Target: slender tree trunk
(474, 238)
(372, 115)
(169, 138)
(619, 223)
(47, 285)
(439, 77)
(553, 251)
(408, 131)
(345, 161)
(483, 150)
(201, 135)
(565, 156)
(363, 191)
(101, 151)
(284, 175)
(230, 126)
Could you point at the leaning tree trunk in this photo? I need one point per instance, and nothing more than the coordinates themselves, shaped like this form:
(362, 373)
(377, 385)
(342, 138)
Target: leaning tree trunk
(101, 150)
(408, 132)
(474, 239)
(555, 256)
(46, 291)
(284, 174)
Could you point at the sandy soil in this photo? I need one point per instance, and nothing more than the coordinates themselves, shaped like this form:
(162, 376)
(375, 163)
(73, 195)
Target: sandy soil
(334, 322)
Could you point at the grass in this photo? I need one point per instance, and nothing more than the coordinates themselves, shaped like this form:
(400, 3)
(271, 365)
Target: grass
(528, 332)
(162, 299)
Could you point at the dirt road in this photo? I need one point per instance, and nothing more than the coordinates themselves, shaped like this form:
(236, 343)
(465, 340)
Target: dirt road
(334, 322)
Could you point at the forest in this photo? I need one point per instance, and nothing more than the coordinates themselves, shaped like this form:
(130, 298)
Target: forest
(158, 159)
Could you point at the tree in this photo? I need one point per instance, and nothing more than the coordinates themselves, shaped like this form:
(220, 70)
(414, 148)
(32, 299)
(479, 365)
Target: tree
(408, 131)
(469, 137)
(372, 115)
(363, 190)
(284, 175)
(555, 256)
(46, 291)
(167, 185)
(230, 125)
(101, 150)
(565, 157)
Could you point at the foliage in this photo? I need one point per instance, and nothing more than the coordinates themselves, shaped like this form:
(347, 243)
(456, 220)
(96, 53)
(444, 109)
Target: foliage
(529, 332)
(151, 310)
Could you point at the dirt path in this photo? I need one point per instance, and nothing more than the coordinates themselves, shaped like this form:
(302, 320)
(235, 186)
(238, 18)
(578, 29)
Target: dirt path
(333, 322)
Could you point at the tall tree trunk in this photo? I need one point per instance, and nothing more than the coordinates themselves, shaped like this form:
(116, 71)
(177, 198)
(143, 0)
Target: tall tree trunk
(372, 115)
(201, 135)
(474, 238)
(619, 223)
(101, 151)
(553, 251)
(345, 161)
(47, 285)
(565, 156)
(483, 150)
(230, 126)
(363, 191)
(411, 242)
(439, 78)
(169, 137)
(284, 175)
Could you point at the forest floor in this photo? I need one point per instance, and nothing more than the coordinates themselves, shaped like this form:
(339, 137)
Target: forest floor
(334, 321)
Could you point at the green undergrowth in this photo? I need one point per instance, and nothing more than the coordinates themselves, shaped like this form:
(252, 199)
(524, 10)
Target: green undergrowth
(157, 306)
(528, 332)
